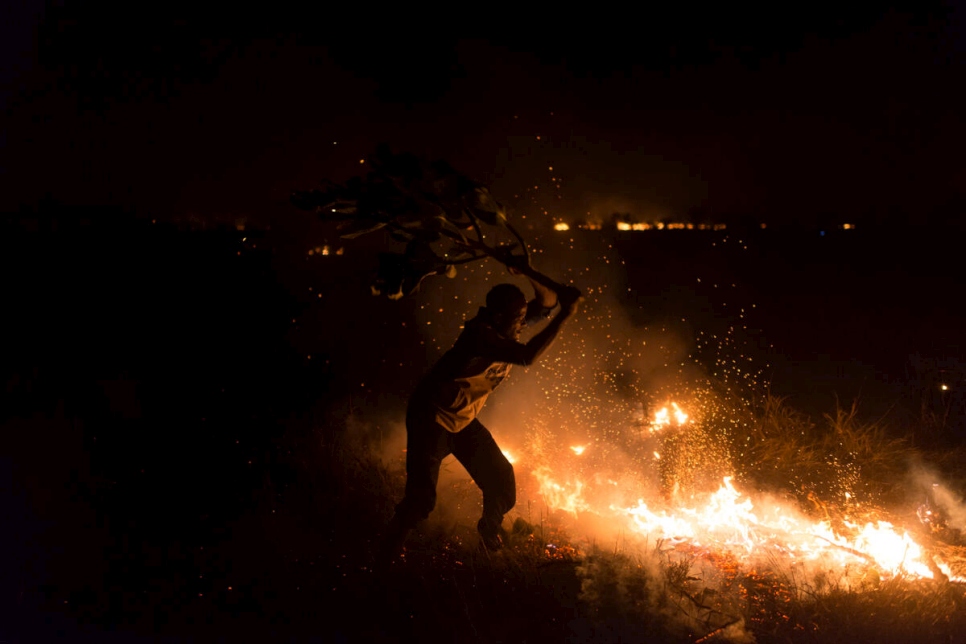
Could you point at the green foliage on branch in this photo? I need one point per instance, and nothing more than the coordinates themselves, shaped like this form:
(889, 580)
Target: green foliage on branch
(443, 218)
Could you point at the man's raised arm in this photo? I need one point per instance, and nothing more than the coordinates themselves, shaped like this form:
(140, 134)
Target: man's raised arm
(569, 298)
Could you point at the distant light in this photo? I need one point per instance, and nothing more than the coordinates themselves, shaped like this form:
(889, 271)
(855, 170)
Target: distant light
(821, 233)
(561, 226)
(623, 225)
(944, 387)
(763, 226)
(848, 227)
(362, 160)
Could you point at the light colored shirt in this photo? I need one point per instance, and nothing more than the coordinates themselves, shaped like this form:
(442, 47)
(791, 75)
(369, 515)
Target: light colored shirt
(459, 384)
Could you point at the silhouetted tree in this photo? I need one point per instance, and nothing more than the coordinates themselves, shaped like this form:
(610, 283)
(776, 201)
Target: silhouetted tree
(444, 219)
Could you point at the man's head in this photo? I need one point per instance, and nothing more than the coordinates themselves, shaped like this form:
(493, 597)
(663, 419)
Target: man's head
(507, 307)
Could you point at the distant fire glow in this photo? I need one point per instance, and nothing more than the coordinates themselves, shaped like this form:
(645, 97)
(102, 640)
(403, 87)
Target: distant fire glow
(577, 449)
(325, 250)
(660, 225)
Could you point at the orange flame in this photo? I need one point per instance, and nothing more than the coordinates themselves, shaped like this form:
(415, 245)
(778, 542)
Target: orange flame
(663, 417)
(561, 495)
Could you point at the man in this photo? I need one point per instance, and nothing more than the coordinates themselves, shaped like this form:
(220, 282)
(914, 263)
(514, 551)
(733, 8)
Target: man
(441, 418)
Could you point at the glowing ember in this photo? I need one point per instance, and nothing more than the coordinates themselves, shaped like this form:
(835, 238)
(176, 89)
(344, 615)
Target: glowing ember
(578, 449)
(561, 226)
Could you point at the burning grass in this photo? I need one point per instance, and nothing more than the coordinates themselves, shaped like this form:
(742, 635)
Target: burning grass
(831, 553)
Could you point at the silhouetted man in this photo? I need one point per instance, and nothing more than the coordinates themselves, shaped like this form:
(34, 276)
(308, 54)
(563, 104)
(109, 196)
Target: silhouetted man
(441, 418)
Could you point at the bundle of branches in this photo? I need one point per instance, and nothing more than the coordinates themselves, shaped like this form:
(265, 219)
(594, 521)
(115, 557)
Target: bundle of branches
(444, 218)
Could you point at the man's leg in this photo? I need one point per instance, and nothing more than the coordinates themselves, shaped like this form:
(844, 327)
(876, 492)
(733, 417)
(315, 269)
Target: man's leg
(427, 444)
(483, 459)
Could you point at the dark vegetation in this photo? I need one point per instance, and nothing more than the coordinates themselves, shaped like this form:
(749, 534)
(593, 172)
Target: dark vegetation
(174, 465)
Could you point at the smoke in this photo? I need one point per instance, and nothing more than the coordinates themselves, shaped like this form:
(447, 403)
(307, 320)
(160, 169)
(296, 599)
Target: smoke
(952, 506)
(938, 507)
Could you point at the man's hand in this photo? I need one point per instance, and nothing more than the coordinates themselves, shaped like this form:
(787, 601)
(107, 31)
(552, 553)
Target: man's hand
(569, 298)
(548, 291)
(517, 264)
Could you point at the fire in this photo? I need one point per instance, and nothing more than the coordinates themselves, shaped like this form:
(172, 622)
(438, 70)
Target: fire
(561, 226)
(663, 416)
(727, 520)
(561, 495)
(509, 456)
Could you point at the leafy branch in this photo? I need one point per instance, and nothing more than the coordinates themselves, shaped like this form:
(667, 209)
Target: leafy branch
(444, 219)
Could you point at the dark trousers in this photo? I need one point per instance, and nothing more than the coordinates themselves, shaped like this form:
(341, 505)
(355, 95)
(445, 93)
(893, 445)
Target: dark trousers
(427, 444)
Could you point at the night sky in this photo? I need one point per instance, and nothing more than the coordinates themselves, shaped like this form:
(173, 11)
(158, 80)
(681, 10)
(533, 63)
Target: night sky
(784, 115)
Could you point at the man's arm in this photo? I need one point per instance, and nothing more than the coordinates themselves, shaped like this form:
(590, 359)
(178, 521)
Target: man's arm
(544, 295)
(539, 343)
(546, 291)
(526, 354)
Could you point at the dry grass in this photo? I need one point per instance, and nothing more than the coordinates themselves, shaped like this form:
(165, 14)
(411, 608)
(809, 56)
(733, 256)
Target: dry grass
(840, 465)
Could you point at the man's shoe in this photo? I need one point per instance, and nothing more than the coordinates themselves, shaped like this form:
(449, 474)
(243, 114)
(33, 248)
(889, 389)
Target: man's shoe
(491, 539)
